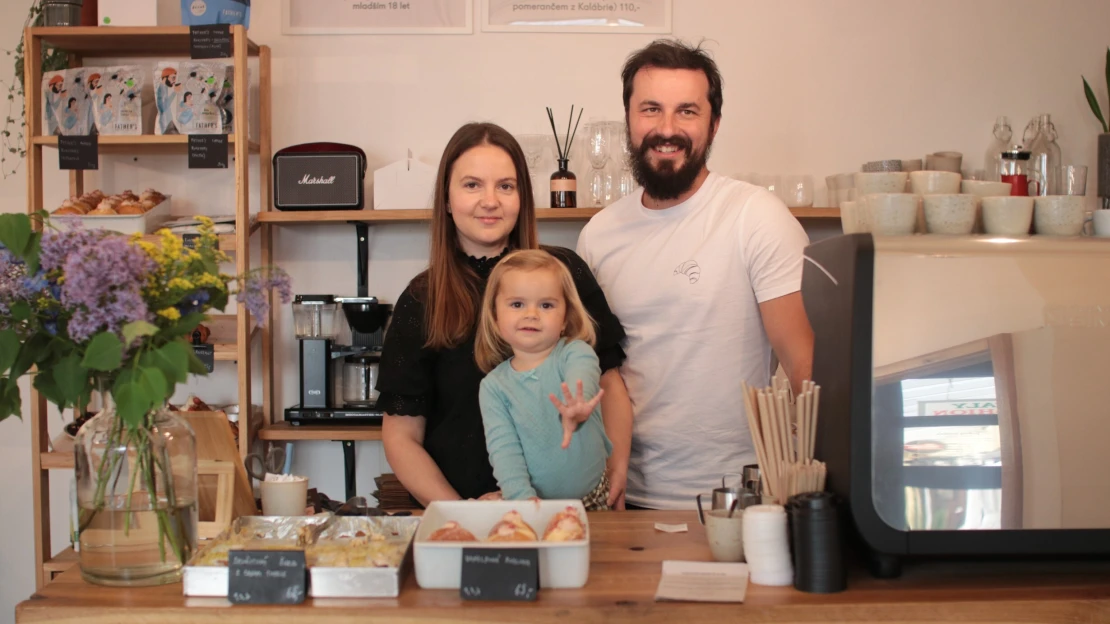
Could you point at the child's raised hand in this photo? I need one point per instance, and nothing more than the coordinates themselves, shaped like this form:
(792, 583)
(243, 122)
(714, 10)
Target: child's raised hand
(575, 411)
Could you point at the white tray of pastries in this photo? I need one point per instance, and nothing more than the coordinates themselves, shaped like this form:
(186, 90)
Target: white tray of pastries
(124, 212)
(558, 529)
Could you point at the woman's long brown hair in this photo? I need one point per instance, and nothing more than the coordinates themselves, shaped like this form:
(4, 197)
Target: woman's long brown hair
(453, 293)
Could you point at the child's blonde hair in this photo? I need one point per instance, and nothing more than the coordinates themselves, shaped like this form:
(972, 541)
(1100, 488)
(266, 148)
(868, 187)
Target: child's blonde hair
(490, 349)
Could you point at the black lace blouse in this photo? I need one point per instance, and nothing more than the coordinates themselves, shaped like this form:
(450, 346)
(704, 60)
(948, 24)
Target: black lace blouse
(442, 384)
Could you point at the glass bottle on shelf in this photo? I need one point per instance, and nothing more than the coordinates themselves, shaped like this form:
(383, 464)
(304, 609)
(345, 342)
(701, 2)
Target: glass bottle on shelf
(992, 162)
(1045, 153)
(564, 187)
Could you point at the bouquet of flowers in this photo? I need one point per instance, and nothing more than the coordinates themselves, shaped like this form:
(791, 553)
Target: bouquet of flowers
(91, 310)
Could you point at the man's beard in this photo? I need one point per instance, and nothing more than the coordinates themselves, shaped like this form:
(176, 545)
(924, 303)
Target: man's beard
(666, 182)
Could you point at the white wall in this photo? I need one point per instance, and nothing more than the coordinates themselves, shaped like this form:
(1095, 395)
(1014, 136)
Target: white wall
(811, 86)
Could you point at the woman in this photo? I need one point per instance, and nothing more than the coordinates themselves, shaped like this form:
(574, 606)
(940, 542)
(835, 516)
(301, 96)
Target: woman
(432, 431)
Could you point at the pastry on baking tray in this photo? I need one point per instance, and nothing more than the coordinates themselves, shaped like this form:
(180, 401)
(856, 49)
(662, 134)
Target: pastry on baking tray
(512, 528)
(452, 532)
(565, 526)
(130, 208)
(103, 209)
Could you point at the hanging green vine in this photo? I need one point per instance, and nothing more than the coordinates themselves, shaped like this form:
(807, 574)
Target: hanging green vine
(13, 138)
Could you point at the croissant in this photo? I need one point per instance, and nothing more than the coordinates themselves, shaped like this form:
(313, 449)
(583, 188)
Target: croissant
(68, 210)
(565, 526)
(512, 528)
(452, 532)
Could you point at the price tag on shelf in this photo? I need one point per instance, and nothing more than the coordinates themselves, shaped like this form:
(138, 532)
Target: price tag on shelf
(500, 574)
(266, 577)
(206, 353)
(78, 153)
(208, 151)
(189, 241)
(210, 41)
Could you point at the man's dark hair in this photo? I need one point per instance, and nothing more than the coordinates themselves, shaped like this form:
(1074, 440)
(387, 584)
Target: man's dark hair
(671, 54)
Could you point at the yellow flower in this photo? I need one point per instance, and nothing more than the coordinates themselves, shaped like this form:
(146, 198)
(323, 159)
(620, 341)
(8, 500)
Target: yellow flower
(207, 280)
(179, 283)
(170, 314)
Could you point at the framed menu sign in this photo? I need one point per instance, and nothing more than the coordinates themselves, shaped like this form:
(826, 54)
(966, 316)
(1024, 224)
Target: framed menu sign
(577, 16)
(379, 17)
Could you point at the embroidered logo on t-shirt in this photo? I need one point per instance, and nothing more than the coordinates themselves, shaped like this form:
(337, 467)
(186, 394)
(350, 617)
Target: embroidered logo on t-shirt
(690, 269)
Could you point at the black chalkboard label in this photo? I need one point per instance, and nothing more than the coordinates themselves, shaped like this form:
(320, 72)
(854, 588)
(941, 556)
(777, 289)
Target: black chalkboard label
(208, 151)
(189, 241)
(266, 577)
(78, 153)
(210, 41)
(500, 574)
(206, 353)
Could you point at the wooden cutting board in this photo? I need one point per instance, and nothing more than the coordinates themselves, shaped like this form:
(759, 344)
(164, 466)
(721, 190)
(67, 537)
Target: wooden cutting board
(214, 441)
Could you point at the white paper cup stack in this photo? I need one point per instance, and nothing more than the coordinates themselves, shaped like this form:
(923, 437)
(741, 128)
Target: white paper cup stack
(766, 546)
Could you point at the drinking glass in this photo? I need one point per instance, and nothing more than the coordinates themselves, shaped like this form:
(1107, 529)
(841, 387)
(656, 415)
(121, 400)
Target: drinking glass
(796, 191)
(1071, 180)
(597, 149)
(534, 147)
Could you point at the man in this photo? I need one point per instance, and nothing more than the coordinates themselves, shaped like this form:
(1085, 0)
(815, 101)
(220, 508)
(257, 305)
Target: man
(705, 274)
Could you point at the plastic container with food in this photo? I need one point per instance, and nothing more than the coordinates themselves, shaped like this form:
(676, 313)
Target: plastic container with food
(563, 564)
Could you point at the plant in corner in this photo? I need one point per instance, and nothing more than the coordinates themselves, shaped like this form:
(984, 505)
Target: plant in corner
(89, 311)
(13, 139)
(1104, 138)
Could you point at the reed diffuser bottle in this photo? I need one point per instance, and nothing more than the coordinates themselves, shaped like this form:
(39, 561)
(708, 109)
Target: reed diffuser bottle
(564, 184)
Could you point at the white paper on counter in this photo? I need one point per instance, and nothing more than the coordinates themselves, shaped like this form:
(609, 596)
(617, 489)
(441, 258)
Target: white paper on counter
(698, 581)
(671, 528)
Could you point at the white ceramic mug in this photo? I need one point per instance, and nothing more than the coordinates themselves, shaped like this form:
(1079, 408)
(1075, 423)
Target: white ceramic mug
(1101, 219)
(934, 182)
(950, 214)
(284, 498)
(880, 182)
(984, 188)
(1059, 215)
(1007, 216)
(892, 214)
(725, 535)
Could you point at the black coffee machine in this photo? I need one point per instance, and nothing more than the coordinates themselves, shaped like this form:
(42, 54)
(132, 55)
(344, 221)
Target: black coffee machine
(324, 361)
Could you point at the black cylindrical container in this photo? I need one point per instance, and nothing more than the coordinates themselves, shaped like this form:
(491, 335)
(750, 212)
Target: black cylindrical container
(818, 552)
(564, 187)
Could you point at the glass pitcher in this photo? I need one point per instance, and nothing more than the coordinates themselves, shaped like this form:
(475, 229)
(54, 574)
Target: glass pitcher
(1016, 169)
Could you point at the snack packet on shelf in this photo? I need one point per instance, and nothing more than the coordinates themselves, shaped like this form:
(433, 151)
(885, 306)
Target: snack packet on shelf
(117, 101)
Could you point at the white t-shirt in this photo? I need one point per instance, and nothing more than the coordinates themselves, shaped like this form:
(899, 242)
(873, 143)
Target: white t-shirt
(686, 283)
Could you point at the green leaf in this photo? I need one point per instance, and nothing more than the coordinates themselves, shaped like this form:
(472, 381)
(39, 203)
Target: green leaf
(10, 403)
(34, 347)
(185, 326)
(15, 232)
(105, 352)
(70, 378)
(154, 382)
(21, 311)
(197, 367)
(1093, 101)
(31, 253)
(9, 349)
(44, 383)
(172, 359)
(132, 398)
(136, 329)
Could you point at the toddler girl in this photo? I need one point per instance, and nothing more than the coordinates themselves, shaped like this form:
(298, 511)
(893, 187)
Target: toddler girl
(533, 336)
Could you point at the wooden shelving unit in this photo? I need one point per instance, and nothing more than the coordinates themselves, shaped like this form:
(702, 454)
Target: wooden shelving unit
(283, 431)
(232, 334)
(548, 215)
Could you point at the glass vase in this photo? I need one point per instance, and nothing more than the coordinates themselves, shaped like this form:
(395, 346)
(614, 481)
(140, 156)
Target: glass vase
(136, 498)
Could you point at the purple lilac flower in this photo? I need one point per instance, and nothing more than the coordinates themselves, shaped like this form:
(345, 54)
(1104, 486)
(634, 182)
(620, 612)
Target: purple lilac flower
(103, 285)
(57, 246)
(13, 274)
(252, 292)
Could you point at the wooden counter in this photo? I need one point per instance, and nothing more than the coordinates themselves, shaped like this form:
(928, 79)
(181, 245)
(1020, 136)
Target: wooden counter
(625, 568)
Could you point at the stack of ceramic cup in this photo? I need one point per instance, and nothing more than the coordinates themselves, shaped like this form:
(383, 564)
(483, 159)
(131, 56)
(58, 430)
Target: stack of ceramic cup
(766, 546)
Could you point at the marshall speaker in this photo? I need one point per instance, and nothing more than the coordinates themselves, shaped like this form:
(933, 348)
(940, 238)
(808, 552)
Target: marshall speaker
(319, 176)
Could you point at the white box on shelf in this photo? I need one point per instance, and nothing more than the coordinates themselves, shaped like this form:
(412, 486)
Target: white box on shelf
(439, 564)
(138, 12)
(146, 223)
(404, 185)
